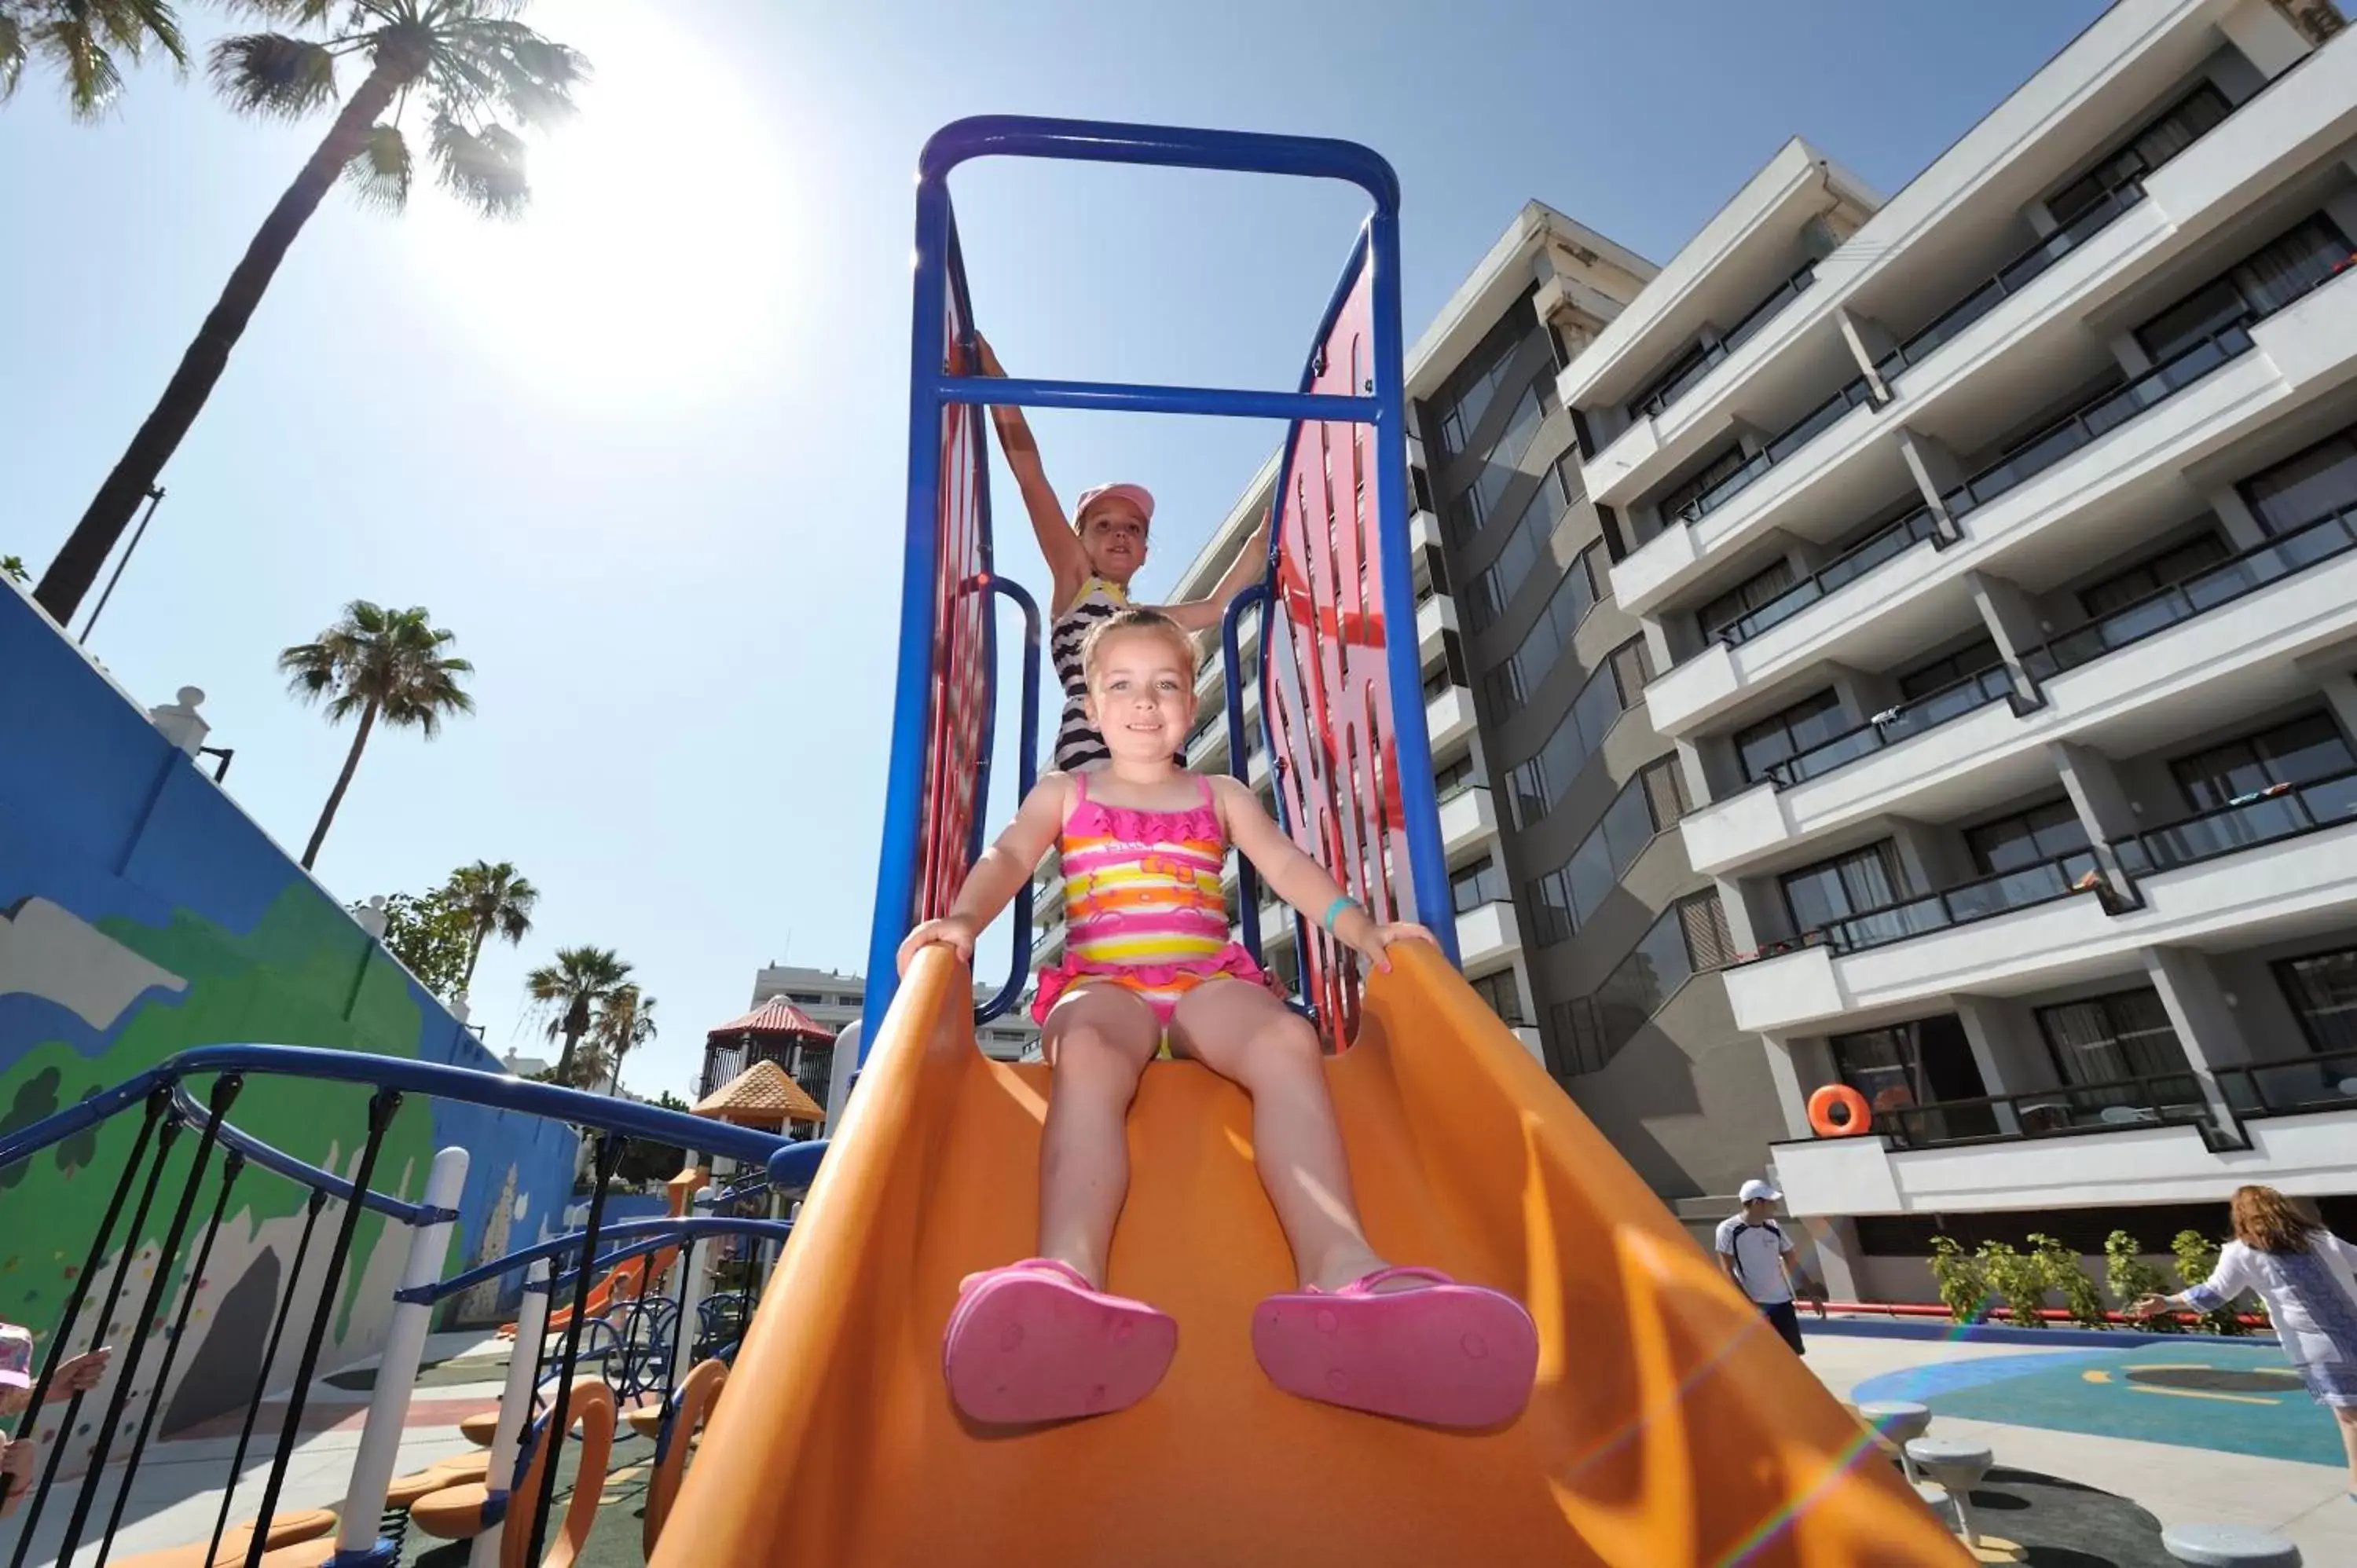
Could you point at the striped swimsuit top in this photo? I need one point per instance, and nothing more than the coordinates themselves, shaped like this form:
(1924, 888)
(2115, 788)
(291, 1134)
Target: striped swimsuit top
(1142, 888)
(1077, 744)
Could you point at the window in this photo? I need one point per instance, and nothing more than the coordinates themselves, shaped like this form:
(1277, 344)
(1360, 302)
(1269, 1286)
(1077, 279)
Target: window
(1495, 586)
(1536, 785)
(1503, 995)
(2299, 752)
(1568, 896)
(1461, 774)
(2263, 283)
(1744, 597)
(1510, 684)
(1810, 722)
(2322, 991)
(2126, 1035)
(1909, 1065)
(1479, 883)
(2298, 491)
(1717, 469)
(2039, 832)
(1471, 390)
(2177, 128)
(1817, 895)
(1691, 935)
(1955, 669)
(1694, 359)
(806, 998)
(2148, 576)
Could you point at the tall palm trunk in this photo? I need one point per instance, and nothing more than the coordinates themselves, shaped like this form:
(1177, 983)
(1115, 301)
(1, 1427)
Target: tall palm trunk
(577, 1024)
(343, 782)
(86, 549)
(474, 952)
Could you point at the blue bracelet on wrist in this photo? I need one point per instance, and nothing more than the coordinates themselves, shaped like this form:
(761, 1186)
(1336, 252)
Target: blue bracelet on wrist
(1334, 911)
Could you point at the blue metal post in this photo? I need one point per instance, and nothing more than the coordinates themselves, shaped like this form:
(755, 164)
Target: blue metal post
(1026, 774)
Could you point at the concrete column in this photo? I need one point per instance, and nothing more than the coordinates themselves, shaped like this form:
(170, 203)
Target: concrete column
(2013, 625)
(2003, 1042)
(2128, 353)
(1791, 1098)
(1755, 912)
(1936, 471)
(2339, 689)
(2235, 514)
(1862, 694)
(2205, 1026)
(1666, 651)
(1863, 336)
(2268, 39)
(1930, 858)
(2103, 804)
(1713, 770)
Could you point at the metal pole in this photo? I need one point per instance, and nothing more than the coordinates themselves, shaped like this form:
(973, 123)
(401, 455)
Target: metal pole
(515, 1414)
(396, 1373)
(154, 499)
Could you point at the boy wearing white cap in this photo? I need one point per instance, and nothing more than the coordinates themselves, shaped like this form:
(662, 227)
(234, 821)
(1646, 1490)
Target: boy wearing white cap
(1752, 1248)
(1092, 557)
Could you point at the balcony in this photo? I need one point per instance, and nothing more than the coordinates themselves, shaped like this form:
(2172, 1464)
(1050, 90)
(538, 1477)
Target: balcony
(1893, 725)
(1468, 816)
(2002, 893)
(1276, 925)
(1886, 543)
(1487, 934)
(2295, 882)
(1433, 617)
(2283, 812)
(1448, 717)
(2299, 1085)
(1779, 447)
(1697, 370)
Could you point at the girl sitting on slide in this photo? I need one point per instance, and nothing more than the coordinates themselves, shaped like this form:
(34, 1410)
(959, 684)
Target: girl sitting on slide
(1151, 970)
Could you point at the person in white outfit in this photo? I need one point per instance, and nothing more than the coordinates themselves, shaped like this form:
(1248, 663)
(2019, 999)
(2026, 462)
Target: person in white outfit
(2308, 1277)
(1752, 1248)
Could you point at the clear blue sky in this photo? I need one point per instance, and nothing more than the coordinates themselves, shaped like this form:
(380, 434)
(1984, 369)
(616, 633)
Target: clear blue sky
(644, 452)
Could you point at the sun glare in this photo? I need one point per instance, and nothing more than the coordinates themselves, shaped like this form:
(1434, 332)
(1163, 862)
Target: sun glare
(653, 265)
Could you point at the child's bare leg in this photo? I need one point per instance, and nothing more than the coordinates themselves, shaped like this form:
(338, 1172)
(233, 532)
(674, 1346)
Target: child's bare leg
(1248, 1037)
(1099, 1039)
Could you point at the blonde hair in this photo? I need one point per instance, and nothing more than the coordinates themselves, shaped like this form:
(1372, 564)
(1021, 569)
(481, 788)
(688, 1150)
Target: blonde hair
(1136, 620)
(2264, 1218)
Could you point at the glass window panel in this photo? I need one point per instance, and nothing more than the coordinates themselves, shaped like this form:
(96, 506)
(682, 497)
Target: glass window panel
(2026, 837)
(2295, 492)
(1504, 997)
(2322, 991)
(1589, 875)
(1798, 727)
(1941, 673)
(2126, 1035)
(2147, 577)
(1817, 895)
(2299, 752)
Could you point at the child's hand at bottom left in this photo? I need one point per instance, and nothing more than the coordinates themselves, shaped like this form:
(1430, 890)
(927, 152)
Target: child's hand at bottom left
(950, 930)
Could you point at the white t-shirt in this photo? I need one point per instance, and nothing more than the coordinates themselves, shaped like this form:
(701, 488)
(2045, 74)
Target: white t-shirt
(1759, 1251)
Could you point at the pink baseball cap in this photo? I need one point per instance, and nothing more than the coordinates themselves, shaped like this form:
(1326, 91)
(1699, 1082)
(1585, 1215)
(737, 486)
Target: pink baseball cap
(15, 1357)
(1137, 495)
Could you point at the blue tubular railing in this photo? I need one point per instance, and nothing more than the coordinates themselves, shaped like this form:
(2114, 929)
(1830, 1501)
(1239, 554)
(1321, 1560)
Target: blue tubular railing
(283, 1164)
(657, 1232)
(789, 1163)
(777, 1231)
(1026, 774)
(1239, 764)
(939, 273)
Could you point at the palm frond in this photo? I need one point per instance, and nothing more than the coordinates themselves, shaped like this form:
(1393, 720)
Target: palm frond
(131, 24)
(12, 54)
(286, 13)
(272, 75)
(485, 169)
(91, 80)
(379, 173)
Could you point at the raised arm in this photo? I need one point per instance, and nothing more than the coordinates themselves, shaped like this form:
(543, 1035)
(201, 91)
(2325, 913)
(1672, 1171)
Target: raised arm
(1250, 566)
(1299, 880)
(1067, 563)
(999, 874)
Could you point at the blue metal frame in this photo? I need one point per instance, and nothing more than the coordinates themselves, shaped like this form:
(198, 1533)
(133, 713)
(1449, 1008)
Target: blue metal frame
(185, 1105)
(789, 1163)
(771, 1229)
(939, 269)
(1026, 774)
(660, 1230)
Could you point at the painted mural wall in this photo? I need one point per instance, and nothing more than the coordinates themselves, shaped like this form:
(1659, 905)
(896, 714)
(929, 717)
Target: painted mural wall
(141, 914)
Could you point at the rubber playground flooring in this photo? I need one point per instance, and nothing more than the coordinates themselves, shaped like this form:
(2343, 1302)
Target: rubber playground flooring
(614, 1541)
(2231, 1398)
(433, 1374)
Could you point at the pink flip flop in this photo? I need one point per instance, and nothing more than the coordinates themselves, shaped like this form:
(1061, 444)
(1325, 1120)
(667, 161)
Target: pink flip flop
(1032, 1342)
(1449, 1354)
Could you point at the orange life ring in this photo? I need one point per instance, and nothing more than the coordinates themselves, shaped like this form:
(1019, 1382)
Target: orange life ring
(1856, 1115)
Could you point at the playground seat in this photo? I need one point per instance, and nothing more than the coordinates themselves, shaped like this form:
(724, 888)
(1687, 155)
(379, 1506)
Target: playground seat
(1896, 1424)
(455, 1512)
(1957, 1466)
(478, 1428)
(461, 1467)
(2228, 1546)
(293, 1527)
(646, 1420)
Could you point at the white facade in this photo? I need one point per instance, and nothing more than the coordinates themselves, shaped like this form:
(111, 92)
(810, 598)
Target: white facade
(835, 999)
(2000, 564)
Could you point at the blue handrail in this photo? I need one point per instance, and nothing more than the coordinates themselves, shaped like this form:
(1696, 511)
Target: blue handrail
(1231, 673)
(939, 277)
(1026, 774)
(772, 1229)
(789, 1163)
(658, 1231)
(185, 1105)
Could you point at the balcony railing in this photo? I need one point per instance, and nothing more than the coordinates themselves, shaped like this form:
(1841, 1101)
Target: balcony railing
(1883, 545)
(1690, 375)
(1902, 723)
(2010, 279)
(2290, 1086)
(2282, 812)
(2096, 418)
(2332, 534)
(2115, 1105)
(2019, 888)
(1795, 436)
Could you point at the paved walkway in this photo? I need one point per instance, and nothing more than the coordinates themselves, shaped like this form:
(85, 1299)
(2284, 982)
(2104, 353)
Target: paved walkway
(2180, 1470)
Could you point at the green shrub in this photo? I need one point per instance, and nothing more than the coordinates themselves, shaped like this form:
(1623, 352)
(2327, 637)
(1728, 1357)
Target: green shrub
(2197, 1259)
(2017, 1277)
(1962, 1283)
(2129, 1276)
(2061, 1267)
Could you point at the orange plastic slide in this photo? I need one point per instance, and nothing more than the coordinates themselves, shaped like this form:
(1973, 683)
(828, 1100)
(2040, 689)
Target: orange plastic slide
(1669, 1427)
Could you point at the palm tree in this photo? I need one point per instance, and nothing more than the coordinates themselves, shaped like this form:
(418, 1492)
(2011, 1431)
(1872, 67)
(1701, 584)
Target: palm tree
(78, 38)
(572, 991)
(496, 899)
(467, 63)
(377, 663)
(624, 1024)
